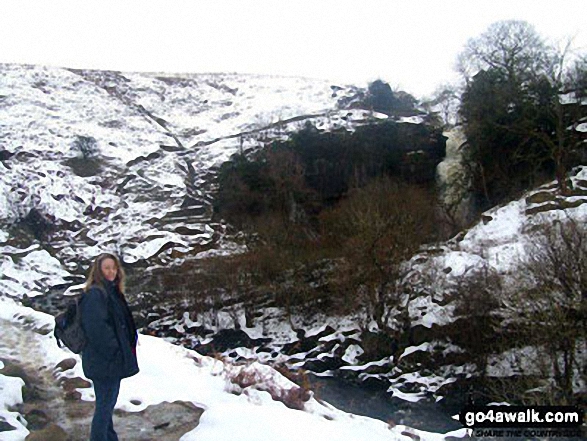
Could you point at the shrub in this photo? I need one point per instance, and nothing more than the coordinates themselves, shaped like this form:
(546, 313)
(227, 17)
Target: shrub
(263, 378)
(86, 145)
(86, 162)
(374, 231)
(477, 301)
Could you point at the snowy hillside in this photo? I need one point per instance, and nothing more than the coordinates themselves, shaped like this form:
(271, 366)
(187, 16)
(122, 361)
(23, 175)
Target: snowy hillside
(94, 160)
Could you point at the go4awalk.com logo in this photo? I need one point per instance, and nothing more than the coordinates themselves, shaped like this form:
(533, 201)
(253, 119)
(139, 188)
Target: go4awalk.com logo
(550, 421)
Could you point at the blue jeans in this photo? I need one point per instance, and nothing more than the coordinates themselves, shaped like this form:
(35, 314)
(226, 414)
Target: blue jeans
(106, 395)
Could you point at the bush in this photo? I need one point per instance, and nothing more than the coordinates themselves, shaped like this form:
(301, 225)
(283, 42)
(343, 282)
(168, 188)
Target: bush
(86, 163)
(477, 300)
(374, 232)
(86, 145)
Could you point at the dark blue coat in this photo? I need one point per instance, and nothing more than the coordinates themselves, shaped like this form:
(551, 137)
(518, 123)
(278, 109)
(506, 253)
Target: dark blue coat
(111, 335)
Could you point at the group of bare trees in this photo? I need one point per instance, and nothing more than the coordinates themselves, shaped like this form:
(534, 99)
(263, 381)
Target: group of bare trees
(553, 304)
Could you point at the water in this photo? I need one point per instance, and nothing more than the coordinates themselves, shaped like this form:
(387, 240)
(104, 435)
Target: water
(375, 402)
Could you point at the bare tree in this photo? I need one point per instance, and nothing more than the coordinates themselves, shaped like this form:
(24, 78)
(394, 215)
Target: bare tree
(477, 296)
(445, 101)
(378, 228)
(511, 47)
(555, 302)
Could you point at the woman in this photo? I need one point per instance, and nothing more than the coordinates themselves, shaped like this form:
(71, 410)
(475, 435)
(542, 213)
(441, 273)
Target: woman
(110, 351)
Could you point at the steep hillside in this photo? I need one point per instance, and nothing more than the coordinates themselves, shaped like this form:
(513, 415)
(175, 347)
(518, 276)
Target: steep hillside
(95, 160)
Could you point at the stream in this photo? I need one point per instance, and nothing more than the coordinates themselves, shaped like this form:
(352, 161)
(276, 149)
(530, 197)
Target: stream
(376, 402)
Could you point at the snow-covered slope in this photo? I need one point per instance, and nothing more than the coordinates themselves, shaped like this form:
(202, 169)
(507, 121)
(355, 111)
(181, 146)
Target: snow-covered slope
(170, 373)
(140, 185)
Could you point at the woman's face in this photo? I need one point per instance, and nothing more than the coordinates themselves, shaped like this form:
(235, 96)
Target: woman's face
(109, 269)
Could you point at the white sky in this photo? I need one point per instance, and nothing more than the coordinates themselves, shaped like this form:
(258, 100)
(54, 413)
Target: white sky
(411, 44)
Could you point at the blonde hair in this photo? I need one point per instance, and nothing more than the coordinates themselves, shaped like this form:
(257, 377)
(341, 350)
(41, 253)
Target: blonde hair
(97, 278)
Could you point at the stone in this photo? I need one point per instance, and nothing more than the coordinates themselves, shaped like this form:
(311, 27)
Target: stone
(36, 419)
(13, 370)
(45, 330)
(5, 427)
(226, 339)
(72, 395)
(542, 208)
(67, 364)
(377, 346)
(540, 197)
(411, 435)
(164, 421)
(70, 384)
(50, 433)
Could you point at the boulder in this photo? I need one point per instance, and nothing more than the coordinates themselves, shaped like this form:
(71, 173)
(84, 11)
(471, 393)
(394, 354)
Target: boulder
(36, 419)
(50, 433)
(70, 384)
(5, 427)
(11, 369)
(67, 364)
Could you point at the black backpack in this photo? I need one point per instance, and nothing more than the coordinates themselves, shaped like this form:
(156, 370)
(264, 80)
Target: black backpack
(68, 327)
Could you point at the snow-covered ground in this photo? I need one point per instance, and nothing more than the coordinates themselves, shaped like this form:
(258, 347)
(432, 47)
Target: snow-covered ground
(170, 373)
(159, 137)
(155, 139)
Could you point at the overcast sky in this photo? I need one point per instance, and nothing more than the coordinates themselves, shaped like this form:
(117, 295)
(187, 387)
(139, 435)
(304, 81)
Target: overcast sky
(411, 44)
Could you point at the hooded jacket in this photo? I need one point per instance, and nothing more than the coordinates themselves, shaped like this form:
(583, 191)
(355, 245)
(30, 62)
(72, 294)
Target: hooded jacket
(111, 334)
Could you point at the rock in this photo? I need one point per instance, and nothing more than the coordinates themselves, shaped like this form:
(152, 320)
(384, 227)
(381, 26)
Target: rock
(323, 365)
(306, 344)
(227, 339)
(67, 364)
(411, 435)
(5, 427)
(72, 395)
(5, 155)
(70, 384)
(565, 204)
(13, 370)
(165, 421)
(45, 330)
(50, 433)
(416, 335)
(377, 345)
(36, 419)
(542, 208)
(540, 198)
